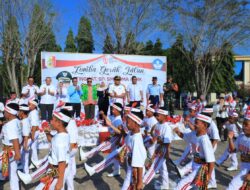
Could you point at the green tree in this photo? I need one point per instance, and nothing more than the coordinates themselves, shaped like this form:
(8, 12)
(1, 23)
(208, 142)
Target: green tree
(224, 80)
(119, 18)
(209, 29)
(51, 46)
(131, 46)
(108, 45)
(39, 33)
(148, 49)
(70, 42)
(11, 53)
(157, 49)
(178, 66)
(84, 38)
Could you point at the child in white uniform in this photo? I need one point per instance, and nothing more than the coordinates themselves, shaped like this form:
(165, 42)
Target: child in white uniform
(162, 136)
(43, 164)
(231, 126)
(149, 126)
(34, 122)
(189, 125)
(73, 136)
(59, 156)
(242, 145)
(118, 131)
(136, 152)
(26, 131)
(203, 162)
(11, 139)
(214, 136)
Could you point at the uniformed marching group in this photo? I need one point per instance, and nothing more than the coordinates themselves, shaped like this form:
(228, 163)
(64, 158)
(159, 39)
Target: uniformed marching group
(140, 140)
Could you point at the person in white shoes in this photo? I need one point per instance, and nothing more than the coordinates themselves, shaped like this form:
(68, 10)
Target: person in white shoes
(47, 93)
(203, 161)
(213, 134)
(73, 136)
(34, 122)
(231, 126)
(241, 145)
(117, 130)
(149, 125)
(189, 126)
(26, 131)
(135, 151)
(163, 137)
(55, 171)
(11, 139)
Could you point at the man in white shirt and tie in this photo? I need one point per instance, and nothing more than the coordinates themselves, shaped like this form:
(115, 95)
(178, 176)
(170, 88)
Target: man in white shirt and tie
(134, 92)
(47, 92)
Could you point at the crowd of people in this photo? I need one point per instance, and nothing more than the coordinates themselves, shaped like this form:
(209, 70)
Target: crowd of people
(140, 138)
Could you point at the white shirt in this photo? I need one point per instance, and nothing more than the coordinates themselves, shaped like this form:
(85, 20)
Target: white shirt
(119, 89)
(221, 113)
(232, 127)
(34, 118)
(152, 121)
(137, 150)
(60, 149)
(212, 131)
(72, 131)
(242, 145)
(47, 98)
(164, 132)
(201, 146)
(10, 131)
(62, 94)
(32, 90)
(26, 127)
(1, 109)
(134, 91)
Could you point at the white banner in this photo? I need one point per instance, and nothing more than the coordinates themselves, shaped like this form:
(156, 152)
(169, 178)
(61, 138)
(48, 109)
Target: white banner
(103, 67)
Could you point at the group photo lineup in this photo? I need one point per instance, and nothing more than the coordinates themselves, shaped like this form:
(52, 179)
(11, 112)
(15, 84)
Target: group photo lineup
(124, 95)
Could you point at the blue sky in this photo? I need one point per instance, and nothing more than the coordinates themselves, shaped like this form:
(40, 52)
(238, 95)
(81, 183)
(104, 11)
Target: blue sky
(70, 11)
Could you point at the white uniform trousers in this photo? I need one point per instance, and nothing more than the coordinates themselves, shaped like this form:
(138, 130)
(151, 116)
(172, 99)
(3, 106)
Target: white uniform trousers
(226, 155)
(34, 147)
(71, 170)
(108, 160)
(212, 181)
(106, 145)
(185, 183)
(238, 180)
(159, 163)
(184, 154)
(129, 177)
(14, 180)
(53, 184)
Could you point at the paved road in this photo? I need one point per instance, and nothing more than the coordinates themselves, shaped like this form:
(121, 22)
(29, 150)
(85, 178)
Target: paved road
(102, 182)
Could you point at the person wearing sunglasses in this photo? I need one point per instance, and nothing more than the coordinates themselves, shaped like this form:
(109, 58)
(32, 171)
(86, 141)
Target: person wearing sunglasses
(89, 98)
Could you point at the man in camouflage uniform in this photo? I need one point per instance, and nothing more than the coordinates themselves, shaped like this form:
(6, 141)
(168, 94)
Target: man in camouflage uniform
(169, 95)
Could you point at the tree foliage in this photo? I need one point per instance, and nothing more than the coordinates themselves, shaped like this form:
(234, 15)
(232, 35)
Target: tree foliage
(124, 21)
(108, 45)
(84, 38)
(209, 30)
(11, 49)
(70, 42)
